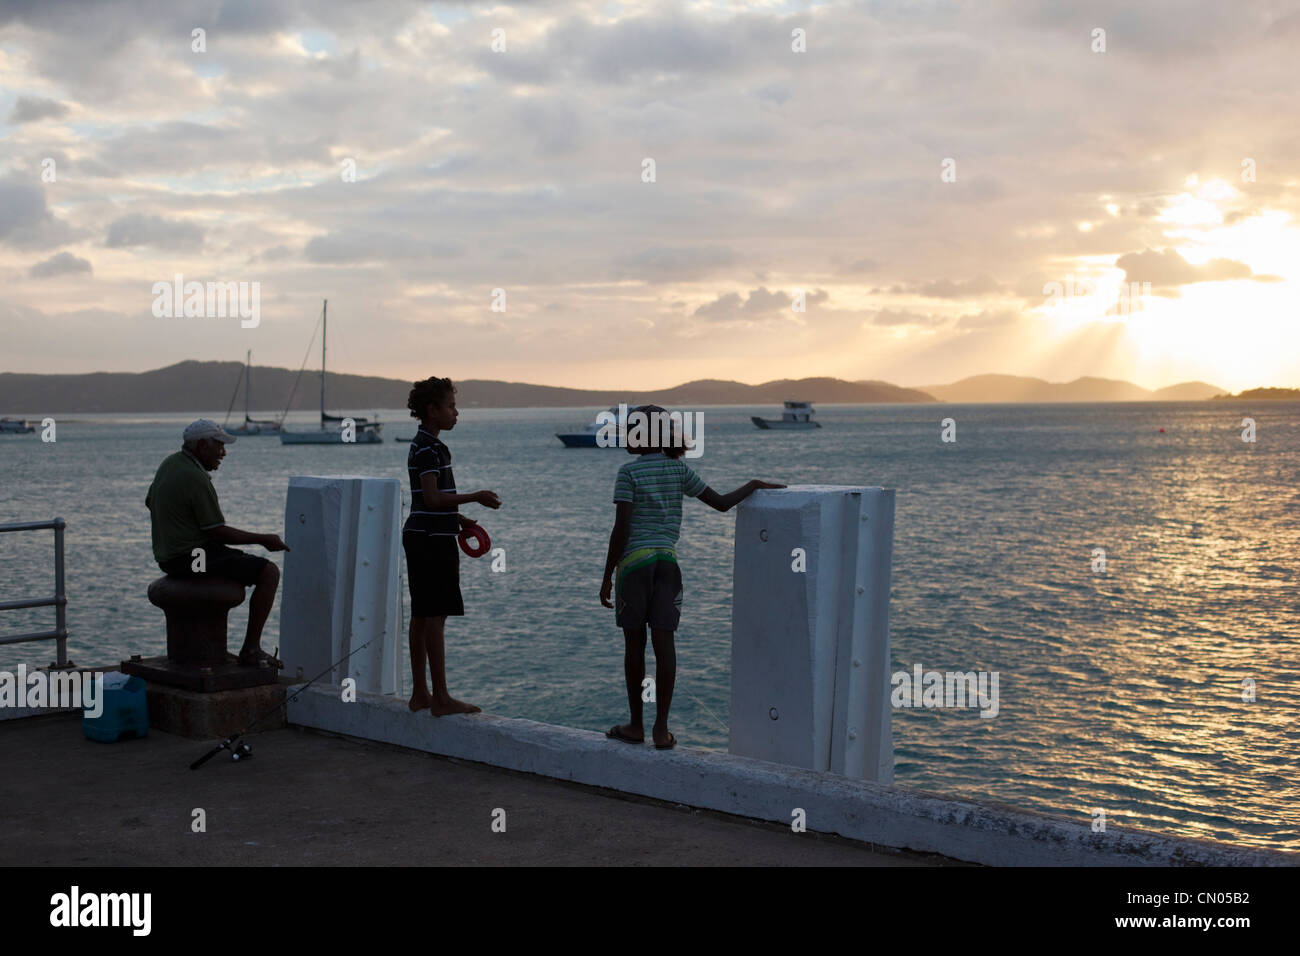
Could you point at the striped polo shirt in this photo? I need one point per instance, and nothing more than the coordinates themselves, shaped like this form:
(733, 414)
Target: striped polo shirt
(430, 456)
(655, 484)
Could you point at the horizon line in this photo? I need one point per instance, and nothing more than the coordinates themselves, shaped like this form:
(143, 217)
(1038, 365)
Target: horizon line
(616, 388)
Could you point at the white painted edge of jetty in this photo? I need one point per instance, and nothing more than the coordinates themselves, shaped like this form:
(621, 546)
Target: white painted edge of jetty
(888, 816)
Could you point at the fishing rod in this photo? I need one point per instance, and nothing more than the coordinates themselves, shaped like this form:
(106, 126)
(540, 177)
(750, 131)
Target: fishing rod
(243, 751)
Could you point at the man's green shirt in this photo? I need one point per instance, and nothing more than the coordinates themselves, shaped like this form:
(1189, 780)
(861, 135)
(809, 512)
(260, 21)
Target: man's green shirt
(184, 507)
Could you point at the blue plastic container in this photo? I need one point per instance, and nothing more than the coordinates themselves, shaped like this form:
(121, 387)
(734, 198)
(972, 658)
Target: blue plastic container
(125, 714)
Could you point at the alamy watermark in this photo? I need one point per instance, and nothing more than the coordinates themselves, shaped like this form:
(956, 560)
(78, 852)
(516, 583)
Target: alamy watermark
(662, 429)
(922, 688)
(209, 300)
(75, 908)
(53, 689)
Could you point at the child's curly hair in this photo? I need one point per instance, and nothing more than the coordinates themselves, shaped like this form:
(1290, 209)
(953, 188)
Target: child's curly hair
(668, 437)
(431, 391)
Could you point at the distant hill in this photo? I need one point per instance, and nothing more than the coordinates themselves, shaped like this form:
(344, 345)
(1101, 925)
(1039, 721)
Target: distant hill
(1016, 388)
(190, 386)
(1265, 394)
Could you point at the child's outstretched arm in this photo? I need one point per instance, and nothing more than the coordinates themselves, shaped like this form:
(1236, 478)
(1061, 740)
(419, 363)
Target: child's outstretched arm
(727, 502)
(442, 500)
(617, 542)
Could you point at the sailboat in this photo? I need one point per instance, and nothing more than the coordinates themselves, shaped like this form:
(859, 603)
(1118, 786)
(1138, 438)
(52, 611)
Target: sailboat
(333, 430)
(251, 426)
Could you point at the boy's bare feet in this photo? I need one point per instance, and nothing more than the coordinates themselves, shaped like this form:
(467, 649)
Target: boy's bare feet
(419, 701)
(630, 733)
(444, 708)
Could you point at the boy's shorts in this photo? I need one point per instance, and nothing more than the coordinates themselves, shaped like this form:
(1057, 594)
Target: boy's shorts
(648, 590)
(220, 562)
(433, 574)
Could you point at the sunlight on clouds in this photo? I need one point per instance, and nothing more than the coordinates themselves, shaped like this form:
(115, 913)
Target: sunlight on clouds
(1233, 333)
(1199, 208)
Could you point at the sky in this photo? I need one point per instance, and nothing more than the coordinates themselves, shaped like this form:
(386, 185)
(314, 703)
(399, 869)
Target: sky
(639, 194)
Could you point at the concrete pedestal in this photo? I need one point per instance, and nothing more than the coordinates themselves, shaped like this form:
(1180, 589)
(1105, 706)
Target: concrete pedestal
(810, 629)
(341, 581)
(211, 716)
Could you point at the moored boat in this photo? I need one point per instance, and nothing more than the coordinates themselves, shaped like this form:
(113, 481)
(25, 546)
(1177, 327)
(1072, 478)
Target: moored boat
(796, 415)
(333, 428)
(251, 426)
(586, 438)
(16, 426)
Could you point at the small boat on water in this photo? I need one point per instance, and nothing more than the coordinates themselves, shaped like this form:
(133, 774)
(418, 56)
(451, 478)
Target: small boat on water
(586, 438)
(16, 426)
(796, 415)
(332, 431)
(251, 426)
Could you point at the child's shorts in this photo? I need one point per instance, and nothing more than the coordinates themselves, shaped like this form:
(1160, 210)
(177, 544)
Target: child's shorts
(433, 574)
(648, 590)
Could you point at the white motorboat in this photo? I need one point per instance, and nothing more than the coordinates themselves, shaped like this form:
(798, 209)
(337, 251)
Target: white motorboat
(797, 415)
(586, 438)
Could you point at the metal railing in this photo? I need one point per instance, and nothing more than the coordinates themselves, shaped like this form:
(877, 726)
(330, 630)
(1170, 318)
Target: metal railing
(59, 602)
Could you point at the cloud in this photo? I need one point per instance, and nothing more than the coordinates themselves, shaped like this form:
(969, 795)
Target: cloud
(29, 109)
(354, 247)
(947, 289)
(759, 303)
(987, 319)
(856, 267)
(142, 229)
(521, 169)
(1168, 269)
(892, 317)
(25, 222)
(64, 263)
(658, 264)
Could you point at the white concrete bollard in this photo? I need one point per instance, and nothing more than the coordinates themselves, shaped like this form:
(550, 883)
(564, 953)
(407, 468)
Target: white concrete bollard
(342, 579)
(810, 649)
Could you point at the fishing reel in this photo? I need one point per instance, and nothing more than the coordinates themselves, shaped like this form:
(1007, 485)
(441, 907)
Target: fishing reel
(241, 752)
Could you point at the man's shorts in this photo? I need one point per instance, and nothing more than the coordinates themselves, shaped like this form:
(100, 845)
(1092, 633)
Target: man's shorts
(433, 574)
(648, 590)
(220, 562)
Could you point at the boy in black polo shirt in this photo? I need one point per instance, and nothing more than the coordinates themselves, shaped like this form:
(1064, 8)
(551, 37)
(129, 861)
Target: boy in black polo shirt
(429, 539)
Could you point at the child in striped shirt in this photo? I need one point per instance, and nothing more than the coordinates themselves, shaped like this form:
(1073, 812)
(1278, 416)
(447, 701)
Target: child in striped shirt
(642, 550)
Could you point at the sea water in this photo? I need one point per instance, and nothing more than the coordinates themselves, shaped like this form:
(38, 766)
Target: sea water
(1120, 690)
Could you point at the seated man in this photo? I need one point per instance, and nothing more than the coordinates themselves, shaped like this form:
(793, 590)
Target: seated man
(187, 518)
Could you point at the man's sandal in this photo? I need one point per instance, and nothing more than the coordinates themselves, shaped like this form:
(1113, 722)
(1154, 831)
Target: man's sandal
(259, 658)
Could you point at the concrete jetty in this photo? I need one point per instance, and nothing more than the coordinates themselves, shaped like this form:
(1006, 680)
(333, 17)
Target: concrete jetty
(311, 799)
(874, 814)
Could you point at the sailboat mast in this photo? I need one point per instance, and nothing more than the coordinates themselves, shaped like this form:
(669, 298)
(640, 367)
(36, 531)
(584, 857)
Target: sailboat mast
(324, 319)
(248, 382)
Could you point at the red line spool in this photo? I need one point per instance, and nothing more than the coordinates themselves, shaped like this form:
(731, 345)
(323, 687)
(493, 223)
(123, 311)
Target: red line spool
(481, 539)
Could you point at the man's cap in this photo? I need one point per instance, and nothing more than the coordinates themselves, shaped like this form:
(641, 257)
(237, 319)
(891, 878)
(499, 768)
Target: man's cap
(207, 428)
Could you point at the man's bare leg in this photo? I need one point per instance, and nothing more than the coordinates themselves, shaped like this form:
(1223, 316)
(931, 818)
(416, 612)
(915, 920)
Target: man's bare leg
(420, 696)
(259, 607)
(443, 703)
